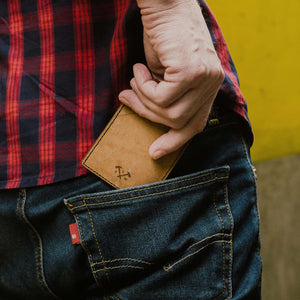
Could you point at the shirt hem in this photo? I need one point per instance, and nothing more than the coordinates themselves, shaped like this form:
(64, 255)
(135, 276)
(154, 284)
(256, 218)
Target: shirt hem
(30, 182)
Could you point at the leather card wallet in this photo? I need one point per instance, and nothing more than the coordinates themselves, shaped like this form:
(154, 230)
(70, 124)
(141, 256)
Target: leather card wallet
(120, 154)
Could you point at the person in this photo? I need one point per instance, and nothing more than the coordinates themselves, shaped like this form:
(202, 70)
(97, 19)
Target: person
(65, 68)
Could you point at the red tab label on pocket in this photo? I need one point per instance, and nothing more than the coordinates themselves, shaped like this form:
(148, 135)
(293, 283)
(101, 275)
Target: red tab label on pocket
(74, 234)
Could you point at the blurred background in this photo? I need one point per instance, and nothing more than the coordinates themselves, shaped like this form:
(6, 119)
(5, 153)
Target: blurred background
(264, 40)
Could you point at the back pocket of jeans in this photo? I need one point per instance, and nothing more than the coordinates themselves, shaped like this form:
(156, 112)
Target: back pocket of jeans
(173, 235)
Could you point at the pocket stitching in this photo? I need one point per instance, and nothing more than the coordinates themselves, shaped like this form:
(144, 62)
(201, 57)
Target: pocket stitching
(120, 267)
(37, 243)
(254, 177)
(216, 179)
(96, 240)
(169, 267)
(223, 246)
(208, 237)
(151, 187)
(92, 264)
(231, 232)
(83, 242)
(143, 196)
(122, 259)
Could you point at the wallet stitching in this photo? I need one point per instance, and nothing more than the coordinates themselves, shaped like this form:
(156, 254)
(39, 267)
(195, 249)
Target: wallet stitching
(101, 137)
(165, 175)
(98, 174)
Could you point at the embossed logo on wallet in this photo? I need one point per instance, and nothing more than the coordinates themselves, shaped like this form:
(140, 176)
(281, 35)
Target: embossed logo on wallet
(120, 154)
(121, 173)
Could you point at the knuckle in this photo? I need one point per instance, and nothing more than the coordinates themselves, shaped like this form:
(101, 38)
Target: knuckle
(177, 119)
(217, 73)
(202, 71)
(221, 74)
(212, 71)
(194, 72)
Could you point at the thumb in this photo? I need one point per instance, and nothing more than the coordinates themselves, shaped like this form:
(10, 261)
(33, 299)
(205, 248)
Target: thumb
(176, 138)
(169, 142)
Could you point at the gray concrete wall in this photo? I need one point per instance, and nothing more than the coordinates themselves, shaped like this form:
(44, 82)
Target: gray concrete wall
(279, 202)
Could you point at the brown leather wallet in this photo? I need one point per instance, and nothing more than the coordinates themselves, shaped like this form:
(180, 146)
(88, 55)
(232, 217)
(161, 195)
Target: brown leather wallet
(120, 154)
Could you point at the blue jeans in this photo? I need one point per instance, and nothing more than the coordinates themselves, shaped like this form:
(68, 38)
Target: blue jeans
(193, 236)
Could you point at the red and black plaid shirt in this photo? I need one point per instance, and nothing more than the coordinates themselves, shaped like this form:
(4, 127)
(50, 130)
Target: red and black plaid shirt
(62, 65)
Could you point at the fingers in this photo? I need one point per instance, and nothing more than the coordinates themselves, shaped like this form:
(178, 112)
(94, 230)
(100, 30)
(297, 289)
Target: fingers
(175, 139)
(130, 98)
(162, 93)
(176, 115)
(186, 113)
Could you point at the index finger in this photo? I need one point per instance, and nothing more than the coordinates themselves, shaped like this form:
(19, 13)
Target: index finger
(162, 93)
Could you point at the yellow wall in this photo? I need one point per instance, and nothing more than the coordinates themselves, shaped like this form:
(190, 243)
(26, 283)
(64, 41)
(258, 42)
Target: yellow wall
(264, 40)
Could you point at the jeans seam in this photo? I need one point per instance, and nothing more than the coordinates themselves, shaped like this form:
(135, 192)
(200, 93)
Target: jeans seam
(147, 188)
(255, 192)
(223, 245)
(37, 242)
(18, 204)
(98, 281)
(96, 240)
(231, 232)
(99, 249)
(143, 196)
(230, 244)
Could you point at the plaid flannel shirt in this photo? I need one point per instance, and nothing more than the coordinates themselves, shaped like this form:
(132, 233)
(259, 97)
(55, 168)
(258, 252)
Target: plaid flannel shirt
(62, 65)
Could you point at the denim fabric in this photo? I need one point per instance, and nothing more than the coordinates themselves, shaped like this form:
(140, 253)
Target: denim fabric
(193, 236)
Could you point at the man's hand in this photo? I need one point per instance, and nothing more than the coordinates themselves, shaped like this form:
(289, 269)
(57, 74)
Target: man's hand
(184, 72)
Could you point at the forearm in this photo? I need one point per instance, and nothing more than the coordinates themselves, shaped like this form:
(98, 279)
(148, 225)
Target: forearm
(174, 26)
(183, 73)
